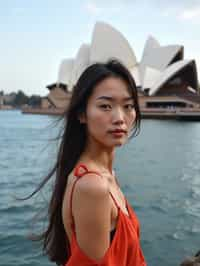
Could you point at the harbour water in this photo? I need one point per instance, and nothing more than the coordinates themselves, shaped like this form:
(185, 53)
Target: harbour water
(159, 172)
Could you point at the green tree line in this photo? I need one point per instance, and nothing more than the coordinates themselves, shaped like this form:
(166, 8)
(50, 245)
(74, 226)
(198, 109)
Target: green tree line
(20, 98)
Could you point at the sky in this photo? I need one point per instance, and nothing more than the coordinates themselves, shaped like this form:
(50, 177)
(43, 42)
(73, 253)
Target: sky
(35, 36)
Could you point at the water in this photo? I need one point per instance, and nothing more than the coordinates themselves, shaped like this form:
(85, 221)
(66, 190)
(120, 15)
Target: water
(159, 172)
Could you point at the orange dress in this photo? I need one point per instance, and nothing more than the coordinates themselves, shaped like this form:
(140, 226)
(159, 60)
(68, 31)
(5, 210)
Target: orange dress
(124, 250)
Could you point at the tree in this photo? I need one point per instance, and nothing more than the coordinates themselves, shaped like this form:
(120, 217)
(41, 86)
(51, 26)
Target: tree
(34, 101)
(20, 99)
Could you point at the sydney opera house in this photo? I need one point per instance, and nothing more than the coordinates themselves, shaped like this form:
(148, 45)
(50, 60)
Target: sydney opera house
(165, 80)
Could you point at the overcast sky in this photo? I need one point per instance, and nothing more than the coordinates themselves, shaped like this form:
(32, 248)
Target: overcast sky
(36, 35)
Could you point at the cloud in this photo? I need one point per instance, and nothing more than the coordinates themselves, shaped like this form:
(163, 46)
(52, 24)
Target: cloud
(97, 7)
(92, 8)
(168, 12)
(183, 13)
(111, 3)
(192, 14)
(174, 4)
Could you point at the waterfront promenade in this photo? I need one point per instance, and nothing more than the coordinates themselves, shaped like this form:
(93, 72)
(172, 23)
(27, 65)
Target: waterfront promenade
(192, 114)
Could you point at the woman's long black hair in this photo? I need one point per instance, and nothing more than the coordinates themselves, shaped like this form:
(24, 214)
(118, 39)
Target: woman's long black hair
(73, 140)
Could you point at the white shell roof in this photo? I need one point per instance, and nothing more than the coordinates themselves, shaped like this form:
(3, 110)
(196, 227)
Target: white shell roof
(150, 77)
(168, 73)
(65, 71)
(108, 43)
(161, 57)
(135, 73)
(191, 89)
(150, 43)
(156, 56)
(80, 63)
(154, 70)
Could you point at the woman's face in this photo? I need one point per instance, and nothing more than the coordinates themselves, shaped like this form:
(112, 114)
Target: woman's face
(110, 113)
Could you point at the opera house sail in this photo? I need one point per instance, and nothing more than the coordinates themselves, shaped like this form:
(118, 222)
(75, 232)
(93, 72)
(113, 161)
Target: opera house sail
(165, 80)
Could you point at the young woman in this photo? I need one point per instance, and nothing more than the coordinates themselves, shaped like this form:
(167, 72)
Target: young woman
(90, 220)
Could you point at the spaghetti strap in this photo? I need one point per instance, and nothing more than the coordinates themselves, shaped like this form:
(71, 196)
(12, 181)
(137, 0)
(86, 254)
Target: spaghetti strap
(79, 171)
(114, 200)
(79, 167)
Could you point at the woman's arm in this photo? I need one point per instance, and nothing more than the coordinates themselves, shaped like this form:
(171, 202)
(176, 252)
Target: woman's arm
(91, 210)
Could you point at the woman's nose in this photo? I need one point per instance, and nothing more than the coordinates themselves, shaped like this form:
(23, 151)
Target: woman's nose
(118, 116)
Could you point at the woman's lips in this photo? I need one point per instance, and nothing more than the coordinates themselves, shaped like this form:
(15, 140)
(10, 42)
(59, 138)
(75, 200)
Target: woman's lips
(118, 133)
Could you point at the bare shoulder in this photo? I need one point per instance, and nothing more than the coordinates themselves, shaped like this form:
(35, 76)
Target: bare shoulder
(91, 192)
(92, 215)
(92, 185)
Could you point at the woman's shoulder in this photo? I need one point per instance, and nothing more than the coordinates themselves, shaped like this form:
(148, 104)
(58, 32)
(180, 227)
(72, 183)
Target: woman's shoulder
(92, 184)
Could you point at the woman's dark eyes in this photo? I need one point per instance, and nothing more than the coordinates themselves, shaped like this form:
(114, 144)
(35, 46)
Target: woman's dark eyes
(105, 106)
(127, 106)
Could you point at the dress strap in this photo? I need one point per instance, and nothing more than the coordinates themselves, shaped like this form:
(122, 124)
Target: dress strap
(79, 171)
(82, 169)
(114, 200)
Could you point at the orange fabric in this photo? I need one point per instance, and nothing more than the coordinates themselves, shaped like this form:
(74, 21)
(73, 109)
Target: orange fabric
(124, 250)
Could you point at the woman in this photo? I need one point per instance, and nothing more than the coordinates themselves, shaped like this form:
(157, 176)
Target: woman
(90, 220)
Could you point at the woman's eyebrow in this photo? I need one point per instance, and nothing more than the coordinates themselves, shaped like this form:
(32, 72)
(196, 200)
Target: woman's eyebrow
(111, 98)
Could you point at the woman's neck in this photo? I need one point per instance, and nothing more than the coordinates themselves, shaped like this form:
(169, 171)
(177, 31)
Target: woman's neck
(101, 159)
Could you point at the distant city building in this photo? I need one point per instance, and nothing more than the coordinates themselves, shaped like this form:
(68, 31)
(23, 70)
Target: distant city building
(6, 100)
(1, 100)
(9, 98)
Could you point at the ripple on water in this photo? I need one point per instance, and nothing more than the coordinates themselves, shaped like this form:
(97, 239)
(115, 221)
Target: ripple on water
(16, 209)
(144, 169)
(158, 208)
